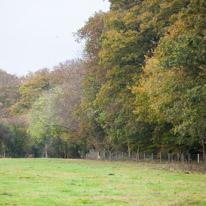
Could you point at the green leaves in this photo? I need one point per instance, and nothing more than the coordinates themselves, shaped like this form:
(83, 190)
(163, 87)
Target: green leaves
(172, 89)
(33, 85)
(140, 85)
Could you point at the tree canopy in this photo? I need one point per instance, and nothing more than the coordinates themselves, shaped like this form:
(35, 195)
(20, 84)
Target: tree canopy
(139, 85)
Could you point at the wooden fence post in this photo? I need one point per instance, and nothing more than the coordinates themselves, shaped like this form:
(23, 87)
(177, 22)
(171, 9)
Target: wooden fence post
(144, 157)
(198, 158)
(160, 157)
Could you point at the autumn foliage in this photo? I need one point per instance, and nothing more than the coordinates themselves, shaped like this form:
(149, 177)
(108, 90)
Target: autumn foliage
(140, 85)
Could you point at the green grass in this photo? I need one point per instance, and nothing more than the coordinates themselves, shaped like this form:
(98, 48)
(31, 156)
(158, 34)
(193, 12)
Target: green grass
(47, 182)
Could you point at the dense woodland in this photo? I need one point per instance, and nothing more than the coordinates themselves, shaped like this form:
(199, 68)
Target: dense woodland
(139, 86)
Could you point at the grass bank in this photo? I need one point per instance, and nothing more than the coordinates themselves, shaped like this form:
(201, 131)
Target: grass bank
(47, 182)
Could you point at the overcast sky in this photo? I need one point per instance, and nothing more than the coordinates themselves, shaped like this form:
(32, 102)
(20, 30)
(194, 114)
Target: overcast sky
(36, 34)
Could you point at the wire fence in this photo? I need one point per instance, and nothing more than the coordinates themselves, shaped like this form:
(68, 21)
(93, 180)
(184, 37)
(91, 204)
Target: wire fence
(160, 157)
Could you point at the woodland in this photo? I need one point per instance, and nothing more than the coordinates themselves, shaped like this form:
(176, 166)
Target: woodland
(139, 86)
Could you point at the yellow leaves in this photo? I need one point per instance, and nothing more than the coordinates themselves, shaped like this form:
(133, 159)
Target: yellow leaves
(151, 65)
(66, 136)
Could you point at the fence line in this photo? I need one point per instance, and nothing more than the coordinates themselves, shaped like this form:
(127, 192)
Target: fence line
(145, 157)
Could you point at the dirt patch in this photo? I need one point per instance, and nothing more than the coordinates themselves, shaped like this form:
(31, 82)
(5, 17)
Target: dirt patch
(6, 194)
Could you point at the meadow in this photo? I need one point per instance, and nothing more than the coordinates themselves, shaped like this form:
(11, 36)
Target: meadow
(48, 182)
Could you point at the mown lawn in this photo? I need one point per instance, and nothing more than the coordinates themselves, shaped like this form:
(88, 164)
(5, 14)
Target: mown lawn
(47, 182)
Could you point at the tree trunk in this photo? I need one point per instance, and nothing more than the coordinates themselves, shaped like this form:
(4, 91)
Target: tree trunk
(46, 151)
(98, 155)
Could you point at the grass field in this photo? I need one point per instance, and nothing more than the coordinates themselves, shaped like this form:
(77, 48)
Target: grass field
(47, 182)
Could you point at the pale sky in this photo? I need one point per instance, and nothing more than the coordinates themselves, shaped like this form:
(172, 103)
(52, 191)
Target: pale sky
(36, 34)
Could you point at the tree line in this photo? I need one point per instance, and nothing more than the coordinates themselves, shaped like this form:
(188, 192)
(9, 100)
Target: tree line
(139, 86)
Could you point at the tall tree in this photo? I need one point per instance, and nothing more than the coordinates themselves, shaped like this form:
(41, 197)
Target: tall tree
(90, 129)
(9, 92)
(32, 86)
(172, 90)
(52, 114)
(133, 30)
